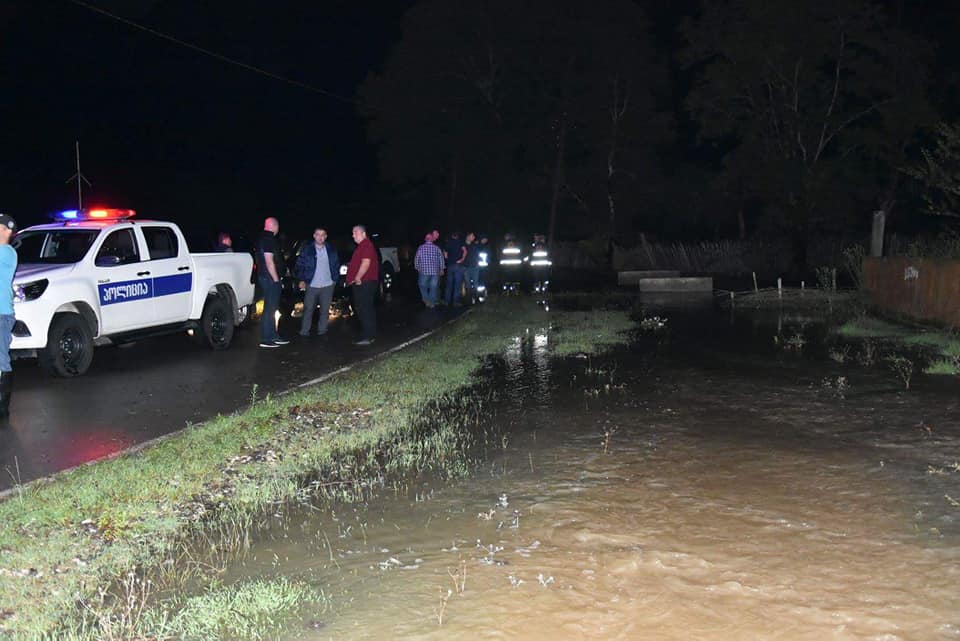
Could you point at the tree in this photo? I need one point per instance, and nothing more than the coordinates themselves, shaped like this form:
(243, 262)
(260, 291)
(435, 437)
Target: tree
(811, 99)
(531, 106)
(939, 171)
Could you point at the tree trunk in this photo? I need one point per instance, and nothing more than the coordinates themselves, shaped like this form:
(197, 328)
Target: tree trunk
(452, 212)
(557, 180)
(612, 224)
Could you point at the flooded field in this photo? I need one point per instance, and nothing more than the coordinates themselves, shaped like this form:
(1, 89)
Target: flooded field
(704, 483)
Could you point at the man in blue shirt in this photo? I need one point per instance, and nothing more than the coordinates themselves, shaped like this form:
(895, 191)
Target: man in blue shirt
(429, 263)
(8, 268)
(318, 268)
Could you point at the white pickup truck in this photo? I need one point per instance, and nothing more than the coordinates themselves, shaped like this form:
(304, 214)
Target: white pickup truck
(98, 277)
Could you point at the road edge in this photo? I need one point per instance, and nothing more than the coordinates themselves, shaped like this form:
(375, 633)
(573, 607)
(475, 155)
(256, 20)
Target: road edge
(133, 449)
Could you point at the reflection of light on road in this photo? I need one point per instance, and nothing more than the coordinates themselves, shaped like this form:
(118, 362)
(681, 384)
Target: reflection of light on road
(95, 445)
(540, 342)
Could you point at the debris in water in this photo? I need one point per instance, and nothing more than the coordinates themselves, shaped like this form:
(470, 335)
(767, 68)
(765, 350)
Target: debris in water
(544, 581)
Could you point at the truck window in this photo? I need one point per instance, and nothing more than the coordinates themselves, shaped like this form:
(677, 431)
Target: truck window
(161, 242)
(60, 246)
(121, 244)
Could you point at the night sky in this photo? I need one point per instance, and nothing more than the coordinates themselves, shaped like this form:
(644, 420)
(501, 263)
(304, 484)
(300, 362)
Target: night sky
(179, 135)
(182, 136)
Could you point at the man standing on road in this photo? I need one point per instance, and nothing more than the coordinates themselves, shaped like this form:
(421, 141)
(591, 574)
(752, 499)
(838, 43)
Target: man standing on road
(8, 267)
(317, 267)
(428, 262)
(456, 253)
(269, 277)
(471, 267)
(363, 274)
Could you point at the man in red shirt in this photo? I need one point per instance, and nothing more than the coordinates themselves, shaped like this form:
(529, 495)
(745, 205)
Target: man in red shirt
(363, 274)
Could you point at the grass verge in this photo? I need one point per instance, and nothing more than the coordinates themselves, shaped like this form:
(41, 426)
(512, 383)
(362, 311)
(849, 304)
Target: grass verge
(65, 543)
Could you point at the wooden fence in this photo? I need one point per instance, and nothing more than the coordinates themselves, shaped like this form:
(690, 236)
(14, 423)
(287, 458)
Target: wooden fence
(919, 288)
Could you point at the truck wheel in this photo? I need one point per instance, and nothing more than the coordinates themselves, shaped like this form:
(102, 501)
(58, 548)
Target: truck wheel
(69, 349)
(386, 284)
(216, 323)
(247, 313)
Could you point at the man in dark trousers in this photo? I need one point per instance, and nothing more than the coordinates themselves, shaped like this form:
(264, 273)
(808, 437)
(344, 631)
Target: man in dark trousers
(318, 268)
(268, 252)
(8, 268)
(456, 252)
(363, 274)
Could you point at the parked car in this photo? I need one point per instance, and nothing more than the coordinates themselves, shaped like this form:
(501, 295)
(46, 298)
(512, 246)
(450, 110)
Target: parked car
(98, 276)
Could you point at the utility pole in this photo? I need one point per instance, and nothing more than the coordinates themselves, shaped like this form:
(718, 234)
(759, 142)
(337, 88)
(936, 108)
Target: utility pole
(80, 178)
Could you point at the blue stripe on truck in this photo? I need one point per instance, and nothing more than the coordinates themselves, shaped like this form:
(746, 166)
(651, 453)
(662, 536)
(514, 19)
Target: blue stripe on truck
(131, 290)
(176, 284)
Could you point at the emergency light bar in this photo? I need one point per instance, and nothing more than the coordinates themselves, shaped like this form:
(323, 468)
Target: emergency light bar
(95, 214)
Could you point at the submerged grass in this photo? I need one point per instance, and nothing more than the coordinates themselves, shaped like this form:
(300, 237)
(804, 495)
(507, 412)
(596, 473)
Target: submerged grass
(945, 346)
(252, 610)
(64, 542)
(868, 327)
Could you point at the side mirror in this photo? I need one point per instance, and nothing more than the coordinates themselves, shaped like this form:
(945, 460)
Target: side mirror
(107, 261)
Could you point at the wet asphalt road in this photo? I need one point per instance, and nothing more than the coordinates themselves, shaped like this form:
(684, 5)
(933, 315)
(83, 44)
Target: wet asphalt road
(137, 392)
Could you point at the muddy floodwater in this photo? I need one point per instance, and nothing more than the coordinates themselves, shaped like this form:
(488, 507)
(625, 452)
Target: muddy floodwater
(703, 483)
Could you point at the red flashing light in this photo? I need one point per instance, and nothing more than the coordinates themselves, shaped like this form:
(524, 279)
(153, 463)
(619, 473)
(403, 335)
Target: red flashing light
(96, 214)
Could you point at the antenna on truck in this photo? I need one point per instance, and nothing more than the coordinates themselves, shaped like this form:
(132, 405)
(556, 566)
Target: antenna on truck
(80, 178)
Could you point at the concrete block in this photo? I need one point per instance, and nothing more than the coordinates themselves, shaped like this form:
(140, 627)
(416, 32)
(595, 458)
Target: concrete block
(634, 277)
(677, 284)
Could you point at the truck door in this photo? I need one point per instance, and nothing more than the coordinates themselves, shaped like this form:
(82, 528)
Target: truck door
(171, 270)
(124, 286)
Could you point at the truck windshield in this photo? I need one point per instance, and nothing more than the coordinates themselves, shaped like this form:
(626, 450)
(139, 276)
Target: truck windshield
(59, 246)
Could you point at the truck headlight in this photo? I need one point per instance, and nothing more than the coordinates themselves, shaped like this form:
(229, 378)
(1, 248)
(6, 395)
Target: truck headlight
(343, 270)
(30, 291)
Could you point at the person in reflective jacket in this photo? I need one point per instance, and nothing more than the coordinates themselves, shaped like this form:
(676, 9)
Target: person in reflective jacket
(511, 265)
(540, 265)
(483, 264)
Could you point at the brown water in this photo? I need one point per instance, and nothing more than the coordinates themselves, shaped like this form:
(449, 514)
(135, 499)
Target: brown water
(724, 492)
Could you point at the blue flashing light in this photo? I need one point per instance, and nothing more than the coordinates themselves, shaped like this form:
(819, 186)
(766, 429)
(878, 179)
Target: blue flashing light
(95, 214)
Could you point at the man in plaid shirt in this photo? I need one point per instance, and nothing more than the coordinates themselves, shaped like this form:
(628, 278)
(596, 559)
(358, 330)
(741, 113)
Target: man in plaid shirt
(429, 262)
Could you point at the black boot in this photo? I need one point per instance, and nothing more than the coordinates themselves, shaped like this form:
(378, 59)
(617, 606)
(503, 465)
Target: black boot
(6, 389)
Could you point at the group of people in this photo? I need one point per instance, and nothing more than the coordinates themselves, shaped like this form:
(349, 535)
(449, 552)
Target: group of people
(462, 262)
(317, 270)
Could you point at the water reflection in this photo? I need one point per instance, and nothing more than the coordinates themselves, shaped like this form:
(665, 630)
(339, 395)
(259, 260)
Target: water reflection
(726, 501)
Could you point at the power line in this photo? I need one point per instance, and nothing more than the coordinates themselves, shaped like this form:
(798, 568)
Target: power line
(212, 54)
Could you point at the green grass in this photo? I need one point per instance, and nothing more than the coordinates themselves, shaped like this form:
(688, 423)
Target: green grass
(943, 367)
(253, 610)
(867, 327)
(945, 345)
(62, 543)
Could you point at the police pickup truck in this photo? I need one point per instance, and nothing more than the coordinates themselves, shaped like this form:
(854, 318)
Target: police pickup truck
(97, 276)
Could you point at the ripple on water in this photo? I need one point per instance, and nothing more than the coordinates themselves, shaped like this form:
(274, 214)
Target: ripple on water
(722, 504)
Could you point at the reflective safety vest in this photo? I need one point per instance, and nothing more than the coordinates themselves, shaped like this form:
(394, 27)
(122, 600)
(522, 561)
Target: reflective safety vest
(511, 256)
(540, 256)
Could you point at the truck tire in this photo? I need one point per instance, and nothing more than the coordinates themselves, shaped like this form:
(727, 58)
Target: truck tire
(216, 323)
(386, 284)
(69, 349)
